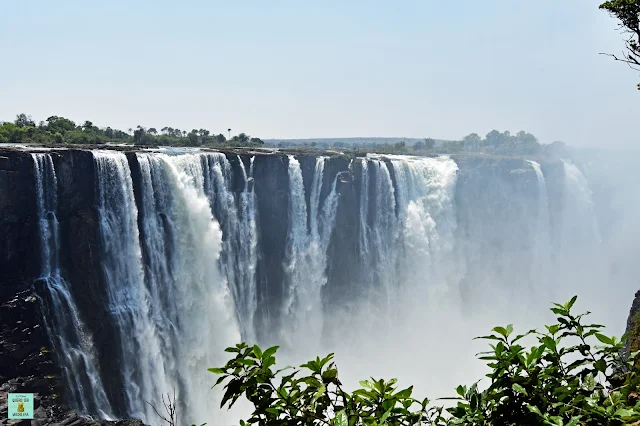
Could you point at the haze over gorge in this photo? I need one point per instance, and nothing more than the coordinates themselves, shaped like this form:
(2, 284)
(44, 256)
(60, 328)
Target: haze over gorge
(125, 272)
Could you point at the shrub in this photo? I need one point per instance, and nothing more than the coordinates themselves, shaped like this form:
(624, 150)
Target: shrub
(572, 376)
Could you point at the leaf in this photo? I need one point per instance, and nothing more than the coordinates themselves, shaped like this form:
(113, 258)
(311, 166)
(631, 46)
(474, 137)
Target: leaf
(329, 374)
(232, 389)
(553, 329)
(257, 351)
(385, 416)
(509, 329)
(272, 350)
(341, 419)
(272, 410)
(624, 412)
(601, 365)
(501, 330)
(604, 339)
(245, 361)
(575, 421)
(534, 409)
(366, 384)
(570, 303)
(216, 370)
(405, 393)
(519, 389)
(321, 390)
(589, 383)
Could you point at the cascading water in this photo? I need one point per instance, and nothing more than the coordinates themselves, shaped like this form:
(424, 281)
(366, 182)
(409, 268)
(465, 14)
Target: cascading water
(306, 255)
(542, 260)
(181, 247)
(381, 233)
(175, 318)
(144, 374)
(73, 344)
(579, 221)
(237, 216)
(580, 255)
(410, 272)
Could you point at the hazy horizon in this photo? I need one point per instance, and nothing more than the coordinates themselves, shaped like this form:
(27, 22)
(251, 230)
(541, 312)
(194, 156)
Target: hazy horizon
(300, 71)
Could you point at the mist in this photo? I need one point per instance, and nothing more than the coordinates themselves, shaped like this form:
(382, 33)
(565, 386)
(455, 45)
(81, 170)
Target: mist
(499, 264)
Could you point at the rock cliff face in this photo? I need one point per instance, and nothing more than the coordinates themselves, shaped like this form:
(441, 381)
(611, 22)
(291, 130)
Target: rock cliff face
(633, 326)
(494, 198)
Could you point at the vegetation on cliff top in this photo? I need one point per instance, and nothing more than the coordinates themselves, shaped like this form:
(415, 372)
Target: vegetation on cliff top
(60, 130)
(570, 375)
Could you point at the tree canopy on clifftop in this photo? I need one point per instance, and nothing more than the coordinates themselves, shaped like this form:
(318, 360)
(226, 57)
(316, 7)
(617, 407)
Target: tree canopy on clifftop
(60, 130)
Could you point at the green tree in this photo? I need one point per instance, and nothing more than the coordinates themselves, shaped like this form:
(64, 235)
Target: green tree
(570, 375)
(419, 146)
(429, 143)
(525, 138)
(139, 135)
(472, 141)
(400, 146)
(59, 124)
(24, 120)
(628, 13)
(192, 136)
(242, 138)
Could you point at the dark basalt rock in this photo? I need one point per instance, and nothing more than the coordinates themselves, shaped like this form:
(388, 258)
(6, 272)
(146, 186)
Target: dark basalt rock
(272, 192)
(633, 327)
(19, 236)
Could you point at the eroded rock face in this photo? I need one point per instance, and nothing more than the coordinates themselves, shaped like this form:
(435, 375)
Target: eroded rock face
(633, 326)
(19, 237)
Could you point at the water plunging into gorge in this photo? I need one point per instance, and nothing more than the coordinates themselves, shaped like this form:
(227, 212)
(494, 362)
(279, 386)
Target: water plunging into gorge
(367, 257)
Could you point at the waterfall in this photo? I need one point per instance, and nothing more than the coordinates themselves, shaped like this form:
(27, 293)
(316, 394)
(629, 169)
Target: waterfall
(237, 216)
(306, 254)
(410, 270)
(143, 371)
(580, 253)
(406, 232)
(72, 342)
(426, 222)
(579, 219)
(173, 316)
(541, 251)
(382, 234)
(377, 256)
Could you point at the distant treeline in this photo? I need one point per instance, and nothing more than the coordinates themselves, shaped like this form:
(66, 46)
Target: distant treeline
(60, 130)
(495, 142)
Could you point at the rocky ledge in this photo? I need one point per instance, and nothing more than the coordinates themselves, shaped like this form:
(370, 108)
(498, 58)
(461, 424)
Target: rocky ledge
(27, 366)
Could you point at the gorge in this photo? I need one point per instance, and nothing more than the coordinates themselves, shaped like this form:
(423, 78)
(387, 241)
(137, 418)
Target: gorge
(136, 268)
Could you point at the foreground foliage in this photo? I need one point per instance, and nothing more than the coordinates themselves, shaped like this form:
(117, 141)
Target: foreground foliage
(572, 374)
(627, 12)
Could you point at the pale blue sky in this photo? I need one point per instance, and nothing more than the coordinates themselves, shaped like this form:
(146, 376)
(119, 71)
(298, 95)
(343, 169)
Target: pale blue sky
(291, 69)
